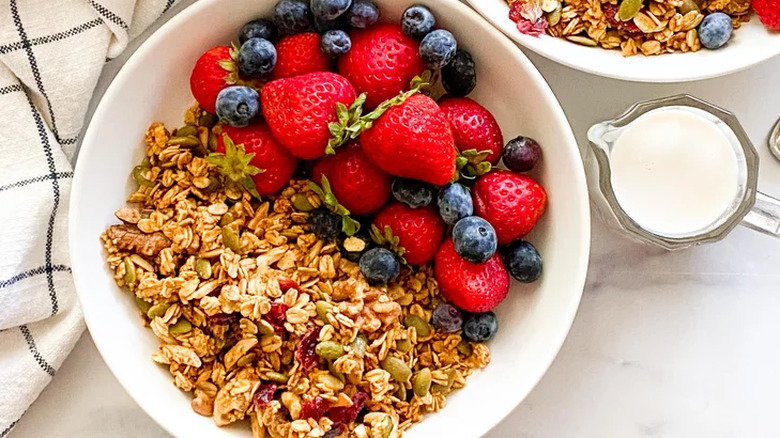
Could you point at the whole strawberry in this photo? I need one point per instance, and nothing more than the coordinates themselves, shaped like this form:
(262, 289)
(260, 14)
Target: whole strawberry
(413, 140)
(299, 109)
(299, 54)
(473, 287)
(473, 127)
(414, 233)
(381, 63)
(213, 71)
(277, 163)
(768, 12)
(358, 185)
(511, 202)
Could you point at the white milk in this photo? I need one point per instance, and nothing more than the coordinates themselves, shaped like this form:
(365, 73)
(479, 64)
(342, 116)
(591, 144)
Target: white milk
(674, 172)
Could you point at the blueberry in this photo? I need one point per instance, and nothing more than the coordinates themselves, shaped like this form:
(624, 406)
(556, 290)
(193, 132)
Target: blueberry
(455, 203)
(260, 28)
(329, 9)
(447, 318)
(715, 30)
(292, 16)
(417, 21)
(325, 223)
(475, 239)
(438, 48)
(521, 154)
(379, 266)
(523, 261)
(412, 192)
(323, 26)
(237, 105)
(335, 43)
(480, 327)
(353, 247)
(362, 14)
(459, 76)
(256, 57)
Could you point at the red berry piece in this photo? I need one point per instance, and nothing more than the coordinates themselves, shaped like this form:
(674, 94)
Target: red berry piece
(314, 408)
(306, 350)
(264, 394)
(348, 414)
(224, 318)
(473, 127)
(299, 54)
(286, 284)
(213, 71)
(419, 231)
(276, 316)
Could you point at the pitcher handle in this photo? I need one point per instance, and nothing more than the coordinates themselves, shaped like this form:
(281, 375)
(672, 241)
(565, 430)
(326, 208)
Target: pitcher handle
(765, 215)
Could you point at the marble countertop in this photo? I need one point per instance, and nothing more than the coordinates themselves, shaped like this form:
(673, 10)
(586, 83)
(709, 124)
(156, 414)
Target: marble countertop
(664, 344)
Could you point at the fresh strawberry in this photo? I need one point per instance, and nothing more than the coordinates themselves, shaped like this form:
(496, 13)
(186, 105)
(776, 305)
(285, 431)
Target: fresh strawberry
(299, 110)
(299, 54)
(277, 163)
(511, 202)
(474, 287)
(768, 12)
(359, 185)
(474, 127)
(413, 140)
(414, 233)
(213, 71)
(381, 62)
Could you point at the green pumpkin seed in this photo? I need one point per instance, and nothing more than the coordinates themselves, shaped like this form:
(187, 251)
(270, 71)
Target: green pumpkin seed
(323, 308)
(203, 268)
(212, 141)
(419, 324)
(277, 377)
(628, 9)
(129, 277)
(387, 427)
(401, 392)
(421, 383)
(301, 202)
(403, 345)
(158, 310)
(186, 130)
(265, 328)
(329, 350)
(231, 240)
(397, 369)
(359, 346)
(139, 178)
(689, 5)
(207, 119)
(584, 41)
(189, 141)
(226, 219)
(335, 372)
(143, 305)
(465, 348)
(554, 17)
(181, 327)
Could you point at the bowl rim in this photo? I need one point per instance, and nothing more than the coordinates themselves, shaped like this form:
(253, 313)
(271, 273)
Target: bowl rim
(566, 315)
(538, 46)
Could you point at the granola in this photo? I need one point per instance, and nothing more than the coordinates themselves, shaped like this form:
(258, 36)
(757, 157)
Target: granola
(655, 27)
(248, 304)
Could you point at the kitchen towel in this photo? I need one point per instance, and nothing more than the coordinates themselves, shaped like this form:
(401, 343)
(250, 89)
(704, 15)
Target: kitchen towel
(51, 55)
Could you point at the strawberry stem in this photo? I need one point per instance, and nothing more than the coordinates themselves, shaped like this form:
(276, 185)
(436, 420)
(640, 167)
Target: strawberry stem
(351, 122)
(235, 166)
(470, 164)
(348, 225)
(386, 238)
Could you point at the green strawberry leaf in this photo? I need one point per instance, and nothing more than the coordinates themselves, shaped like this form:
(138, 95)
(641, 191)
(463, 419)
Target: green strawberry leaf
(387, 239)
(471, 164)
(348, 225)
(235, 166)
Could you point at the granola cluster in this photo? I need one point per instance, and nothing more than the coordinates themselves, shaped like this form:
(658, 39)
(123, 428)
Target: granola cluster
(658, 26)
(263, 321)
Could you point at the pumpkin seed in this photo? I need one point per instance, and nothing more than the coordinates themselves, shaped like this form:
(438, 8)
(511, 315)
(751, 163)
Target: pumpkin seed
(323, 308)
(203, 268)
(402, 392)
(403, 345)
(359, 346)
(387, 427)
(231, 240)
(207, 119)
(397, 369)
(226, 219)
(277, 377)
(443, 389)
(212, 141)
(689, 5)
(337, 374)
(143, 305)
(421, 383)
(419, 324)
(129, 272)
(189, 140)
(329, 350)
(301, 202)
(158, 310)
(181, 327)
(139, 178)
(628, 9)
(265, 328)
(554, 17)
(465, 348)
(186, 130)
(579, 39)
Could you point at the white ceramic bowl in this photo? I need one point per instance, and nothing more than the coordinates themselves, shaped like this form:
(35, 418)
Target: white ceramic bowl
(750, 45)
(153, 86)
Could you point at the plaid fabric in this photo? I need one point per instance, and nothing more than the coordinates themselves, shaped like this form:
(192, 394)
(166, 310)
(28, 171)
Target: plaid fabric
(51, 55)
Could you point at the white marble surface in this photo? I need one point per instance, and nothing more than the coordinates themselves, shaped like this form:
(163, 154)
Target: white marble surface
(664, 345)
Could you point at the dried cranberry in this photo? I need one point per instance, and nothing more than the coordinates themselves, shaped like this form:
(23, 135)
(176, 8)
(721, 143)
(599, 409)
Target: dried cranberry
(348, 414)
(224, 318)
(334, 431)
(514, 11)
(264, 394)
(306, 351)
(610, 11)
(285, 284)
(314, 408)
(276, 316)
